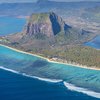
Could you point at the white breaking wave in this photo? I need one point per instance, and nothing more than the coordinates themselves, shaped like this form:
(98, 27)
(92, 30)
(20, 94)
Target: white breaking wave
(43, 79)
(35, 77)
(82, 90)
(68, 85)
(10, 70)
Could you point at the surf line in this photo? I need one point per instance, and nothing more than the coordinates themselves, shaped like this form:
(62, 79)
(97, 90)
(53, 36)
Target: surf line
(82, 90)
(30, 76)
(68, 85)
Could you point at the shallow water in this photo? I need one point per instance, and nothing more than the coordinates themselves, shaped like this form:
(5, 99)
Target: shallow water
(9, 25)
(95, 43)
(35, 66)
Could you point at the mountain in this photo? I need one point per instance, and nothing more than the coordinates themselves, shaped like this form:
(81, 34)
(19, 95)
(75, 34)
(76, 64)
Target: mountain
(48, 24)
(48, 29)
(74, 13)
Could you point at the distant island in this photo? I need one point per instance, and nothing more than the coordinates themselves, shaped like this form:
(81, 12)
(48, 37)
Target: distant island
(47, 35)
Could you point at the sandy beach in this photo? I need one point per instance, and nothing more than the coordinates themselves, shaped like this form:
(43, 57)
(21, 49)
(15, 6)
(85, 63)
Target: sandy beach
(53, 60)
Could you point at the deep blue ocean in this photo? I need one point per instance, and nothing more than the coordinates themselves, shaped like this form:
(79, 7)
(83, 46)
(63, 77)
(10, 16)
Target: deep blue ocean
(18, 87)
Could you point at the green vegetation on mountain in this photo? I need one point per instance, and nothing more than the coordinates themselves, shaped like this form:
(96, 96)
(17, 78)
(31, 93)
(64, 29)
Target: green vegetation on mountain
(39, 17)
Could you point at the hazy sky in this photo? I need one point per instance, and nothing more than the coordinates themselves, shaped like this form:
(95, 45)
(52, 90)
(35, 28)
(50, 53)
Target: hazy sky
(1, 1)
(75, 0)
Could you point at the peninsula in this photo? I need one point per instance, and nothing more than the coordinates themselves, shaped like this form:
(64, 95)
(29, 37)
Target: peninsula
(47, 35)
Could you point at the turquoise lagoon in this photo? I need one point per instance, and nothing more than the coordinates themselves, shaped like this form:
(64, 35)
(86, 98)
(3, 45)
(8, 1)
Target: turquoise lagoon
(9, 25)
(74, 78)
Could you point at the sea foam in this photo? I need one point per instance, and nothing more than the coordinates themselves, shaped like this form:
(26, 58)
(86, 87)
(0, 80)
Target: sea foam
(43, 79)
(68, 85)
(10, 70)
(82, 90)
(35, 77)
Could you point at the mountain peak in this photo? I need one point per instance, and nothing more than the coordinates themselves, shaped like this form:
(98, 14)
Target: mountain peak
(48, 24)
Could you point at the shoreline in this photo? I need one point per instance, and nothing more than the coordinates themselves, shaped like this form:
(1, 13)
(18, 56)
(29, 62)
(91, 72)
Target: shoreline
(53, 60)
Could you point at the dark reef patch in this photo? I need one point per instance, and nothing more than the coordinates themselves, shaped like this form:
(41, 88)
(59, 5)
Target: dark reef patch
(39, 63)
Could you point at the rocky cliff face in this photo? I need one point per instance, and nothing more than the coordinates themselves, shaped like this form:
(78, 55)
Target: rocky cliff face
(48, 24)
(39, 28)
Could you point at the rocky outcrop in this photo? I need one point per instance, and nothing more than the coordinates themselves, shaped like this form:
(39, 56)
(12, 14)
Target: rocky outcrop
(48, 24)
(39, 28)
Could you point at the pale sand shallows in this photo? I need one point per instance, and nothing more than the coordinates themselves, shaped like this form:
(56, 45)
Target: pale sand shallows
(53, 60)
